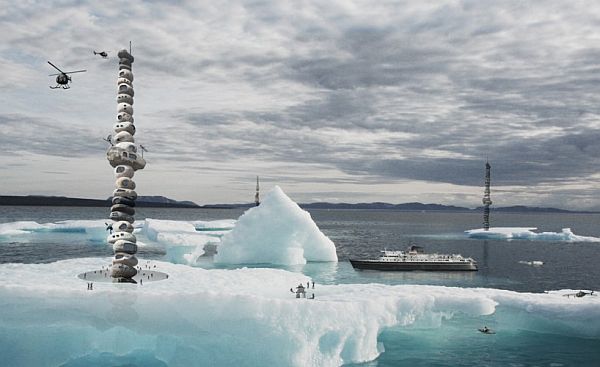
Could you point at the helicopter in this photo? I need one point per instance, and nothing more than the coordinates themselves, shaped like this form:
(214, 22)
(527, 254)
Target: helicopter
(579, 294)
(104, 54)
(62, 80)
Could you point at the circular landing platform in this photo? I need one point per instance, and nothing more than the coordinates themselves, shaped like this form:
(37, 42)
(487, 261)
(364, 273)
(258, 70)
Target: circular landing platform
(146, 273)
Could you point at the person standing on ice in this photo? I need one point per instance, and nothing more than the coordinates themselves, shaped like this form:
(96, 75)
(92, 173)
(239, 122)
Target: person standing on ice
(300, 291)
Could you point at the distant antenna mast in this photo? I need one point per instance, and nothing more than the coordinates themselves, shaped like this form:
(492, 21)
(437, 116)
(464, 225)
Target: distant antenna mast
(130, 48)
(256, 196)
(486, 198)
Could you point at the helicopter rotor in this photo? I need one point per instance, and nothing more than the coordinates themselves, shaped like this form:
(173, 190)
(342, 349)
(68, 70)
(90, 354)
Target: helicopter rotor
(64, 72)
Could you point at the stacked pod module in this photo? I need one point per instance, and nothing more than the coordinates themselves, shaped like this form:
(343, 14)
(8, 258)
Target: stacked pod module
(123, 156)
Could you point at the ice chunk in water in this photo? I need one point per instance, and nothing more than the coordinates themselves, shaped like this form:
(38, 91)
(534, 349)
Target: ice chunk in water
(527, 233)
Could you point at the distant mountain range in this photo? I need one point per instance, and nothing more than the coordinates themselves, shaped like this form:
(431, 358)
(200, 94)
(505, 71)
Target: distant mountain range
(142, 201)
(386, 206)
(164, 202)
(408, 207)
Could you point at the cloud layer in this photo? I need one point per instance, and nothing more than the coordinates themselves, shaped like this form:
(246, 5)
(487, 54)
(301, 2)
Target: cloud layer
(341, 101)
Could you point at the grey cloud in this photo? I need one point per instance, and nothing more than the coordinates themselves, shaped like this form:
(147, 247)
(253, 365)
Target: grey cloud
(393, 91)
(22, 133)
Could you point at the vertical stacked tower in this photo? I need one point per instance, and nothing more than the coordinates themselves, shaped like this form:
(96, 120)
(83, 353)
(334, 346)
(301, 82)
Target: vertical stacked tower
(125, 160)
(486, 198)
(256, 196)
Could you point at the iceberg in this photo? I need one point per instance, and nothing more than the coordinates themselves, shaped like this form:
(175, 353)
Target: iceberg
(276, 232)
(245, 317)
(181, 240)
(527, 233)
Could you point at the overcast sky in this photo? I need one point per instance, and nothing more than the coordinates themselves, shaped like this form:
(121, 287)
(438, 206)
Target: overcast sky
(341, 101)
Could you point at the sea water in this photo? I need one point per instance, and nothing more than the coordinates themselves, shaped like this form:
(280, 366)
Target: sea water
(361, 233)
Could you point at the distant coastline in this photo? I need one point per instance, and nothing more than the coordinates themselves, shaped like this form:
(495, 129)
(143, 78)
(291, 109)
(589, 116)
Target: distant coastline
(142, 201)
(164, 202)
(415, 207)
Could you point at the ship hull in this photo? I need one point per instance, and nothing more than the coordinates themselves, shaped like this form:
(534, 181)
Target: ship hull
(409, 266)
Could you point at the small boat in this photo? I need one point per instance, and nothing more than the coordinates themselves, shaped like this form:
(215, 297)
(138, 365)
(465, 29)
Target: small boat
(415, 259)
(486, 330)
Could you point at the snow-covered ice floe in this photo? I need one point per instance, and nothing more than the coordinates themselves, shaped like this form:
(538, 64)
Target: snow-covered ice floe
(242, 317)
(183, 241)
(180, 239)
(91, 229)
(531, 262)
(150, 227)
(66, 226)
(276, 232)
(527, 233)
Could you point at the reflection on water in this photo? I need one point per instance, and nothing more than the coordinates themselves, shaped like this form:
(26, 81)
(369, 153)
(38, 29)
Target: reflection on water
(418, 277)
(323, 272)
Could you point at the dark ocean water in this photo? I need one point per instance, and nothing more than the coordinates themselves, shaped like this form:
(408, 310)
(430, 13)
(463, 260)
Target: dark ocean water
(566, 265)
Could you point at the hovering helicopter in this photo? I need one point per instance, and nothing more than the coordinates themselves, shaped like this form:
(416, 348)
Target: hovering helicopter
(104, 54)
(62, 80)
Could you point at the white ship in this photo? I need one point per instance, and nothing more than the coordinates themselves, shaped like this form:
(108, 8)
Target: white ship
(415, 259)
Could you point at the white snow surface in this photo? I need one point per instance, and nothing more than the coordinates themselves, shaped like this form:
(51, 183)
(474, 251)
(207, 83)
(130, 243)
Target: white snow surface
(243, 317)
(527, 233)
(276, 232)
(92, 229)
(214, 225)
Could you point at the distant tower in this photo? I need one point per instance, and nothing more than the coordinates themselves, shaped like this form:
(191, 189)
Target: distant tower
(256, 196)
(486, 198)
